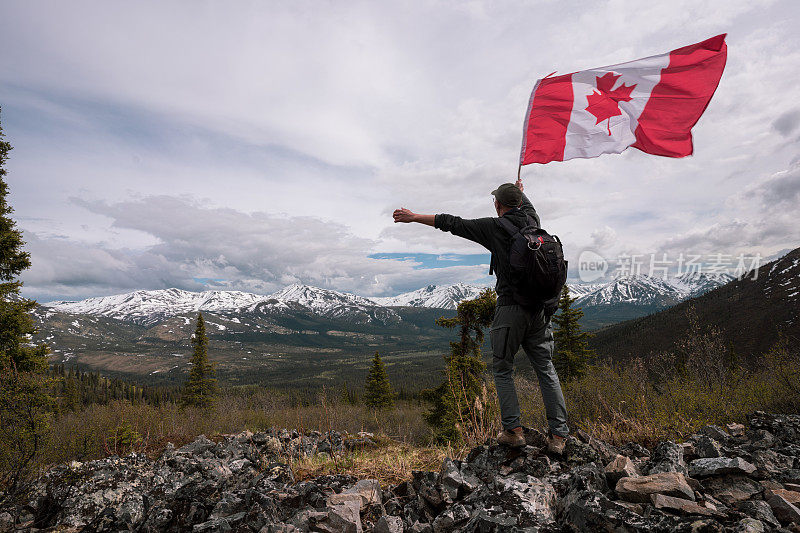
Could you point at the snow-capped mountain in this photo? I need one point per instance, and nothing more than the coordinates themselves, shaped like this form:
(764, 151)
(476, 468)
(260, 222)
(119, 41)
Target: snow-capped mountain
(578, 290)
(434, 296)
(648, 291)
(640, 290)
(148, 307)
(319, 300)
(325, 303)
(694, 284)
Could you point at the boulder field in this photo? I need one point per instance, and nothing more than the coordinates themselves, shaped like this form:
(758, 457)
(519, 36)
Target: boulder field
(723, 479)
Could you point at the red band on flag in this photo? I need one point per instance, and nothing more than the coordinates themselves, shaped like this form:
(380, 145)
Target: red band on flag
(680, 97)
(546, 121)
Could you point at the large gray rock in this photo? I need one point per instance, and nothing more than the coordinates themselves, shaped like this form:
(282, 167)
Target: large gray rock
(718, 466)
(771, 463)
(715, 432)
(536, 498)
(369, 490)
(639, 489)
(606, 451)
(388, 524)
(705, 447)
(760, 510)
(343, 518)
(666, 457)
(732, 489)
(619, 468)
(451, 478)
(681, 505)
(784, 511)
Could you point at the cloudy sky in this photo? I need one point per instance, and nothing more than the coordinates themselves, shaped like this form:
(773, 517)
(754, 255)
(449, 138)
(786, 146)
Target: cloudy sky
(250, 145)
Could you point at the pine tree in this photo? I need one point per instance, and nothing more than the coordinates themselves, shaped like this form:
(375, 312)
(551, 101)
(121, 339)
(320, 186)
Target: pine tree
(378, 393)
(200, 388)
(348, 396)
(572, 353)
(24, 381)
(459, 406)
(16, 323)
(71, 397)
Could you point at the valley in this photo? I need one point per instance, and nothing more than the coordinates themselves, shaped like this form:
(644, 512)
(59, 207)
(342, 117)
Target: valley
(301, 336)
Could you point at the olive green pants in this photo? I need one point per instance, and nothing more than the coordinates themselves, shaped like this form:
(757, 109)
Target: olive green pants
(514, 326)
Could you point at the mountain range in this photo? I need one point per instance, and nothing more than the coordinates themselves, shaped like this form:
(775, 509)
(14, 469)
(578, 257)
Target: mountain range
(638, 294)
(300, 336)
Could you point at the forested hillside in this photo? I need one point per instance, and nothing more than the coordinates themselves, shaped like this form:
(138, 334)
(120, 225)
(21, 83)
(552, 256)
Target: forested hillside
(751, 314)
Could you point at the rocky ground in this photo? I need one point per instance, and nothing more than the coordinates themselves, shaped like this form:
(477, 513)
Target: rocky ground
(722, 479)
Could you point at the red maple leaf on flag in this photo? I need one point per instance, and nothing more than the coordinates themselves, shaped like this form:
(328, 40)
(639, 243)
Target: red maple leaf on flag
(605, 103)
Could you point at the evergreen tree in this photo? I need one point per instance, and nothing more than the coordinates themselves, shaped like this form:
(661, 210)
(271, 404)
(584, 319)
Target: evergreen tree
(378, 393)
(349, 396)
(24, 383)
(572, 353)
(459, 405)
(201, 386)
(71, 400)
(16, 323)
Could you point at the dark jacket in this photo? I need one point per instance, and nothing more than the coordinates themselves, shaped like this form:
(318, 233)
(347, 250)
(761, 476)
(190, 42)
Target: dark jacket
(488, 233)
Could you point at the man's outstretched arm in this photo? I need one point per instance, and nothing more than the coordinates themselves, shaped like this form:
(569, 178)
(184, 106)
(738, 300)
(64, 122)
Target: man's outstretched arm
(405, 215)
(474, 229)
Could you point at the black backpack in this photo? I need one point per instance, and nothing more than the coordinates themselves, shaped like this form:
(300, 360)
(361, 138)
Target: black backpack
(538, 267)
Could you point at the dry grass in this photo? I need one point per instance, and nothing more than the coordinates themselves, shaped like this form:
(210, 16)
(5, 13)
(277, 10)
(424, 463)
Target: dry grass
(390, 463)
(120, 427)
(657, 400)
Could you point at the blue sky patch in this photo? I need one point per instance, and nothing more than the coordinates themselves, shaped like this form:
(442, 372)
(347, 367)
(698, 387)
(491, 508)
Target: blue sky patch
(427, 261)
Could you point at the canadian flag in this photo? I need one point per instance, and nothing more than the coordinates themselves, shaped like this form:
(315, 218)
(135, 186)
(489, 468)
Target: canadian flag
(650, 104)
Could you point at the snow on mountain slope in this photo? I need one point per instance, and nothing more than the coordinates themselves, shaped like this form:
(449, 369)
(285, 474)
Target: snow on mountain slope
(639, 290)
(694, 283)
(325, 303)
(578, 290)
(783, 279)
(647, 290)
(434, 296)
(320, 300)
(148, 307)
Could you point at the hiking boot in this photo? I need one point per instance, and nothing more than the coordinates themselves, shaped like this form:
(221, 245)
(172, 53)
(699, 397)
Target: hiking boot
(511, 438)
(556, 444)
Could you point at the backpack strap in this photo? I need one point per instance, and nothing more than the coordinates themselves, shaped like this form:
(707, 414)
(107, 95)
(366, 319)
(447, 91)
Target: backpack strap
(507, 225)
(512, 229)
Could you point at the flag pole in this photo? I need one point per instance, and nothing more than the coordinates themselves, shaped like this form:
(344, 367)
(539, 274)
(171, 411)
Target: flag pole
(519, 171)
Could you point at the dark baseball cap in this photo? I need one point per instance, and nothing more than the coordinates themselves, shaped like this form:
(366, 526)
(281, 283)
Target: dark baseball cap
(508, 194)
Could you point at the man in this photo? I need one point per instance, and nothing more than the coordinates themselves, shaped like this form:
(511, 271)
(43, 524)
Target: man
(513, 325)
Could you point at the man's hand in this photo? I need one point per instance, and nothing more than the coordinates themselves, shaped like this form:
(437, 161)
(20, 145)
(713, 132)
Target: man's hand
(403, 215)
(519, 185)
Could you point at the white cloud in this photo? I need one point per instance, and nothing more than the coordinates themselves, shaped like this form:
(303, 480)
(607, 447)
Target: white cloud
(234, 250)
(335, 114)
